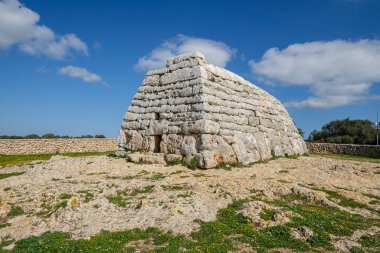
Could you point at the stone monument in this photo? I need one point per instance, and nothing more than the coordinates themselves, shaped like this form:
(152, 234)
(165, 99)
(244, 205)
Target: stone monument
(203, 112)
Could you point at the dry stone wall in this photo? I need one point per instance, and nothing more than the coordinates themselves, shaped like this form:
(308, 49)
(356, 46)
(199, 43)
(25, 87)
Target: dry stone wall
(201, 111)
(344, 149)
(48, 146)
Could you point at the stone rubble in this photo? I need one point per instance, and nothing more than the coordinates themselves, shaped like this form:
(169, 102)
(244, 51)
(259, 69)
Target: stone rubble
(201, 111)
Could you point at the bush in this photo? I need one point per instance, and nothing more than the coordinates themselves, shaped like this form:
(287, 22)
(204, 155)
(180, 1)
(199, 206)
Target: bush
(345, 132)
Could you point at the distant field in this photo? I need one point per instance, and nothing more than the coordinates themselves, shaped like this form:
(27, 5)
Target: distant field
(347, 157)
(6, 160)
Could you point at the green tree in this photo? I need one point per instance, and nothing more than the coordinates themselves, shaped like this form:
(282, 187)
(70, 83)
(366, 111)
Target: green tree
(48, 136)
(100, 136)
(87, 136)
(32, 136)
(345, 131)
(301, 132)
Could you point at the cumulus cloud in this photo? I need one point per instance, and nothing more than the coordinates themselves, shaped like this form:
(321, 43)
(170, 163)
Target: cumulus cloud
(337, 72)
(19, 26)
(216, 52)
(82, 73)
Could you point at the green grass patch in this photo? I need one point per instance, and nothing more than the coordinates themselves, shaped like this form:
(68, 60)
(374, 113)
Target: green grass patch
(370, 241)
(6, 160)
(177, 172)
(193, 164)
(177, 161)
(267, 214)
(6, 175)
(117, 200)
(3, 225)
(221, 235)
(87, 195)
(347, 157)
(65, 196)
(175, 187)
(122, 198)
(343, 201)
(371, 196)
(15, 211)
(157, 176)
(49, 209)
(323, 220)
(145, 189)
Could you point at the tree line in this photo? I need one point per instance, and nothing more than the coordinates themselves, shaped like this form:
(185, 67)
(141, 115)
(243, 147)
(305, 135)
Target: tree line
(49, 136)
(345, 131)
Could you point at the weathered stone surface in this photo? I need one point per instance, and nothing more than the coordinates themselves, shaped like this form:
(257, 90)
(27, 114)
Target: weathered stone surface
(194, 109)
(149, 158)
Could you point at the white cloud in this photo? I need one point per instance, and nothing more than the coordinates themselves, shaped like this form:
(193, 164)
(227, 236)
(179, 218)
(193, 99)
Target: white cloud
(216, 52)
(337, 72)
(18, 26)
(82, 73)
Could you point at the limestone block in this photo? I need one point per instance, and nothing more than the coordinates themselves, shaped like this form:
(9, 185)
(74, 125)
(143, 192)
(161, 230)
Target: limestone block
(188, 146)
(183, 74)
(215, 150)
(247, 147)
(151, 80)
(173, 157)
(253, 121)
(171, 143)
(149, 158)
(196, 56)
(158, 127)
(200, 126)
(134, 140)
(121, 139)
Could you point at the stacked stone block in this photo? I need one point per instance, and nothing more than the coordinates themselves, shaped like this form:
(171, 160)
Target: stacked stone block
(201, 111)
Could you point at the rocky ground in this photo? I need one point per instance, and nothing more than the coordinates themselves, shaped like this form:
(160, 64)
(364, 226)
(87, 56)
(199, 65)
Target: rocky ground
(318, 203)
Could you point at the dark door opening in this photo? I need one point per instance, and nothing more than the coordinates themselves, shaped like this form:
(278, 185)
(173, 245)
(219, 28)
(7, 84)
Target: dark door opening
(157, 143)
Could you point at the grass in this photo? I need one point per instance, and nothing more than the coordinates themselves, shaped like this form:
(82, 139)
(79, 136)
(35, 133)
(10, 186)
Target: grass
(122, 198)
(267, 214)
(15, 211)
(49, 210)
(6, 175)
(346, 202)
(225, 234)
(323, 220)
(347, 157)
(157, 176)
(145, 189)
(372, 196)
(193, 164)
(117, 200)
(65, 196)
(87, 195)
(175, 187)
(177, 161)
(6, 160)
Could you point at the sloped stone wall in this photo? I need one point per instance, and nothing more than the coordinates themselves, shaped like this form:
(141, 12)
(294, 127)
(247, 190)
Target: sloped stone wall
(49, 146)
(344, 149)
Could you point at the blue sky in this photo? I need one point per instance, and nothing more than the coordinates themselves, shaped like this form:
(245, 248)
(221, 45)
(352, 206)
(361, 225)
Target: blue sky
(72, 67)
